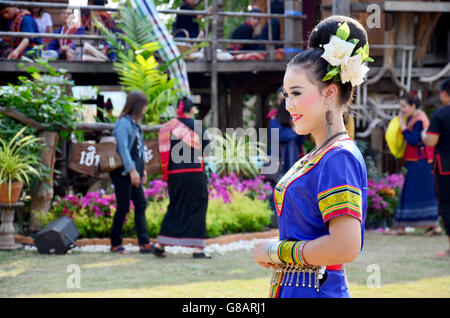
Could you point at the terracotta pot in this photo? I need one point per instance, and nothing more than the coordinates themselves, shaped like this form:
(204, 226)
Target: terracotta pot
(16, 190)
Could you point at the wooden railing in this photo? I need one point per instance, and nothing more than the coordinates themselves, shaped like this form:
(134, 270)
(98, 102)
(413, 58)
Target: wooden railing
(86, 127)
(291, 21)
(293, 33)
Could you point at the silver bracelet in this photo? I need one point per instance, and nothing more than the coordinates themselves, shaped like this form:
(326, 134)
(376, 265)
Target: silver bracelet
(269, 252)
(272, 252)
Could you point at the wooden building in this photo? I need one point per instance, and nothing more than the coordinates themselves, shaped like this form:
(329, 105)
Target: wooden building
(410, 42)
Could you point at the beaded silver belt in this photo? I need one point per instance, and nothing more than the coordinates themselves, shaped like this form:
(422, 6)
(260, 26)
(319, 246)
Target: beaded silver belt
(284, 271)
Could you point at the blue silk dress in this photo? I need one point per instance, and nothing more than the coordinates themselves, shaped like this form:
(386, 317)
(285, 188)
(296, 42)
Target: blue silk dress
(330, 184)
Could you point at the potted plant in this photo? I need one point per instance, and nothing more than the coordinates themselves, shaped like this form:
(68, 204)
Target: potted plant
(237, 154)
(16, 166)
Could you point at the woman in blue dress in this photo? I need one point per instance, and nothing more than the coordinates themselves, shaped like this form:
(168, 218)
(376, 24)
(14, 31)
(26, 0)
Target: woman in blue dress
(418, 205)
(321, 201)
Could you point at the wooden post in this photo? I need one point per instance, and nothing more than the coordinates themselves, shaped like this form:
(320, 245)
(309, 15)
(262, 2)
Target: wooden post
(220, 25)
(270, 47)
(427, 25)
(377, 144)
(237, 99)
(341, 7)
(260, 110)
(62, 179)
(403, 35)
(223, 109)
(206, 35)
(214, 72)
(42, 196)
(293, 28)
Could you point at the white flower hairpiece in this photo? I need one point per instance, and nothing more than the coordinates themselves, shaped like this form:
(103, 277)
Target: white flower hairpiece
(342, 65)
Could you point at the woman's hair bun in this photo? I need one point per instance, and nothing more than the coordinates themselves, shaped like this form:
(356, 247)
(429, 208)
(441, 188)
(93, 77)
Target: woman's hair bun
(320, 35)
(311, 59)
(185, 104)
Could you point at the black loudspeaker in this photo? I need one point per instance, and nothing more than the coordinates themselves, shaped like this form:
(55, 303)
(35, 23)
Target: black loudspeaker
(57, 237)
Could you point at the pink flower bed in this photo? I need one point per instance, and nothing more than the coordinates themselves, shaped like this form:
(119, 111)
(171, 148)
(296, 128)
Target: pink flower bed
(98, 204)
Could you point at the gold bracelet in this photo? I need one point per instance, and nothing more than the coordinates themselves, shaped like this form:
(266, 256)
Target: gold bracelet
(285, 251)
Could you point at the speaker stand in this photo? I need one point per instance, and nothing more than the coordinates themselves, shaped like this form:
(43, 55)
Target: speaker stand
(7, 230)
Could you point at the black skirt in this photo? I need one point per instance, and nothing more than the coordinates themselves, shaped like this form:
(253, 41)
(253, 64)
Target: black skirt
(442, 185)
(185, 221)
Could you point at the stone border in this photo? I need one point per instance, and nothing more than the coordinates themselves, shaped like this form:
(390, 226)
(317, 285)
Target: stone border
(224, 239)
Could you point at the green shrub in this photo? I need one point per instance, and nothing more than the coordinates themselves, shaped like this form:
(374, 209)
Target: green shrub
(155, 215)
(242, 214)
(87, 225)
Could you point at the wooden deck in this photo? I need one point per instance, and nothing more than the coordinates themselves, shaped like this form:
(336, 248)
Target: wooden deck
(7, 66)
(102, 73)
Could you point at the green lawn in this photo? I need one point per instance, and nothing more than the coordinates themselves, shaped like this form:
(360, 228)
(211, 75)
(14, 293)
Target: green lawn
(408, 268)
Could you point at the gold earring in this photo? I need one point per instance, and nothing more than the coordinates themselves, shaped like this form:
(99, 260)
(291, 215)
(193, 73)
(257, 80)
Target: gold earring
(329, 118)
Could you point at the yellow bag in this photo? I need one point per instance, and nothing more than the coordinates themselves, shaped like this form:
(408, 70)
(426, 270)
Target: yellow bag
(395, 139)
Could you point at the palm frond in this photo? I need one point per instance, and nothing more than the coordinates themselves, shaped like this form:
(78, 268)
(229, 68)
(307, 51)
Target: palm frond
(235, 154)
(15, 163)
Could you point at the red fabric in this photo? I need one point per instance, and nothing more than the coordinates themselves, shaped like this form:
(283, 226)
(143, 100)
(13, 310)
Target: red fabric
(272, 113)
(250, 57)
(180, 109)
(16, 24)
(17, 20)
(72, 30)
(184, 133)
(103, 16)
(335, 267)
(189, 170)
(438, 166)
(419, 116)
(343, 211)
(411, 152)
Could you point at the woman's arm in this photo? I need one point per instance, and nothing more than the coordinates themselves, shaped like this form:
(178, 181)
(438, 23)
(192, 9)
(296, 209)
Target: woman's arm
(340, 200)
(122, 132)
(429, 139)
(342, 245)
(413, 137)
(430, 136)
(19, 49)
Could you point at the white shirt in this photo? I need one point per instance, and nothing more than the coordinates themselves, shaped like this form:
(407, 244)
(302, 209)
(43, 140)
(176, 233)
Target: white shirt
(44, 22)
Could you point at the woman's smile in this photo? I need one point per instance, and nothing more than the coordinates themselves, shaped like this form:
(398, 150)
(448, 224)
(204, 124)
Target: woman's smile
(296, 117)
